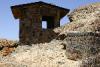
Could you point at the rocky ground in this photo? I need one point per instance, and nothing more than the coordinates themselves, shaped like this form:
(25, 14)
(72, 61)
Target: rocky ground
(53, 54)
(39, 55)
(7, 46)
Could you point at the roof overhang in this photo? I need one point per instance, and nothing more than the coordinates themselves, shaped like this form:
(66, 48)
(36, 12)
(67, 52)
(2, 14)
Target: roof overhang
(17, 10)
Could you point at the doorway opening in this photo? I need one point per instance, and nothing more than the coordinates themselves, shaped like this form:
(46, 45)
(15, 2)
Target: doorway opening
(44, 24)
(47, 22)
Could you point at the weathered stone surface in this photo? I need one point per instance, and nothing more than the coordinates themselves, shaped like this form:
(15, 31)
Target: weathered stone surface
(80, 40)
(82, 45)
(93, 61)
(7, 46)
(31, 17)
(92, 10)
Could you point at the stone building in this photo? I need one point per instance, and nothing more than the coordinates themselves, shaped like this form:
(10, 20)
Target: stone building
(31, 16)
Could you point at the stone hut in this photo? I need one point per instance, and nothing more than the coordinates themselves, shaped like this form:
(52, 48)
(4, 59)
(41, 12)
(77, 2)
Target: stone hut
(31, 16)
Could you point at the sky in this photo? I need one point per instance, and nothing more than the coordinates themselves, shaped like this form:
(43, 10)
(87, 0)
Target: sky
(9, 26)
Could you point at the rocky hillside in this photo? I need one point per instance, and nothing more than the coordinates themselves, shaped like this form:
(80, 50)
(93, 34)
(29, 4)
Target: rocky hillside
(85, 12)
(64, 51)
(83, 19)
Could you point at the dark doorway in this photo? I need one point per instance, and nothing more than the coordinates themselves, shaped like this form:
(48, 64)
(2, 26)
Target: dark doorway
(50, 21)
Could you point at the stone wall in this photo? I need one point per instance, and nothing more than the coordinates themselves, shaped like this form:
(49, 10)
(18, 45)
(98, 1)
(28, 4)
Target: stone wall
(31, 32)
(82, 45)
(31, 25)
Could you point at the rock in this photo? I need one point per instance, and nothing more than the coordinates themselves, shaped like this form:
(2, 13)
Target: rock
(85, 12)
(7, 46)
(76, 44)
(93, 61)
(82, 45)
(7, 43)
(6, 51)
(10, 64)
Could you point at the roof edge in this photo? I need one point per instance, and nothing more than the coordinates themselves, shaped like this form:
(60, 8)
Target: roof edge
(40, 2)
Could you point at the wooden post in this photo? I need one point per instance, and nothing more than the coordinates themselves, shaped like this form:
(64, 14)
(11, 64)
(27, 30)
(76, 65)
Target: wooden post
(57, 20)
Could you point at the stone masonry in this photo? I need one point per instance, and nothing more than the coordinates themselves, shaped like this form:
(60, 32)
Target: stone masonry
(31, 16)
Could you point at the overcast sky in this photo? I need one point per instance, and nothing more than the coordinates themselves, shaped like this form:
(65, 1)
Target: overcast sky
(9, 27)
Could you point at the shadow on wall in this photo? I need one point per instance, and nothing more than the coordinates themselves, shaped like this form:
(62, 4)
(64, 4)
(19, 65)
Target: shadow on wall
(43, 36)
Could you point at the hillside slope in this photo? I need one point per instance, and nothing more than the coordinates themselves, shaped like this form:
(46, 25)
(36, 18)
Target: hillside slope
(83, 19)
(53, 54)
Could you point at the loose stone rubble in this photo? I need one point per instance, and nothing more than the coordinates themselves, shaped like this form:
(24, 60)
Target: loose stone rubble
(7, 46)
(77, 44)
